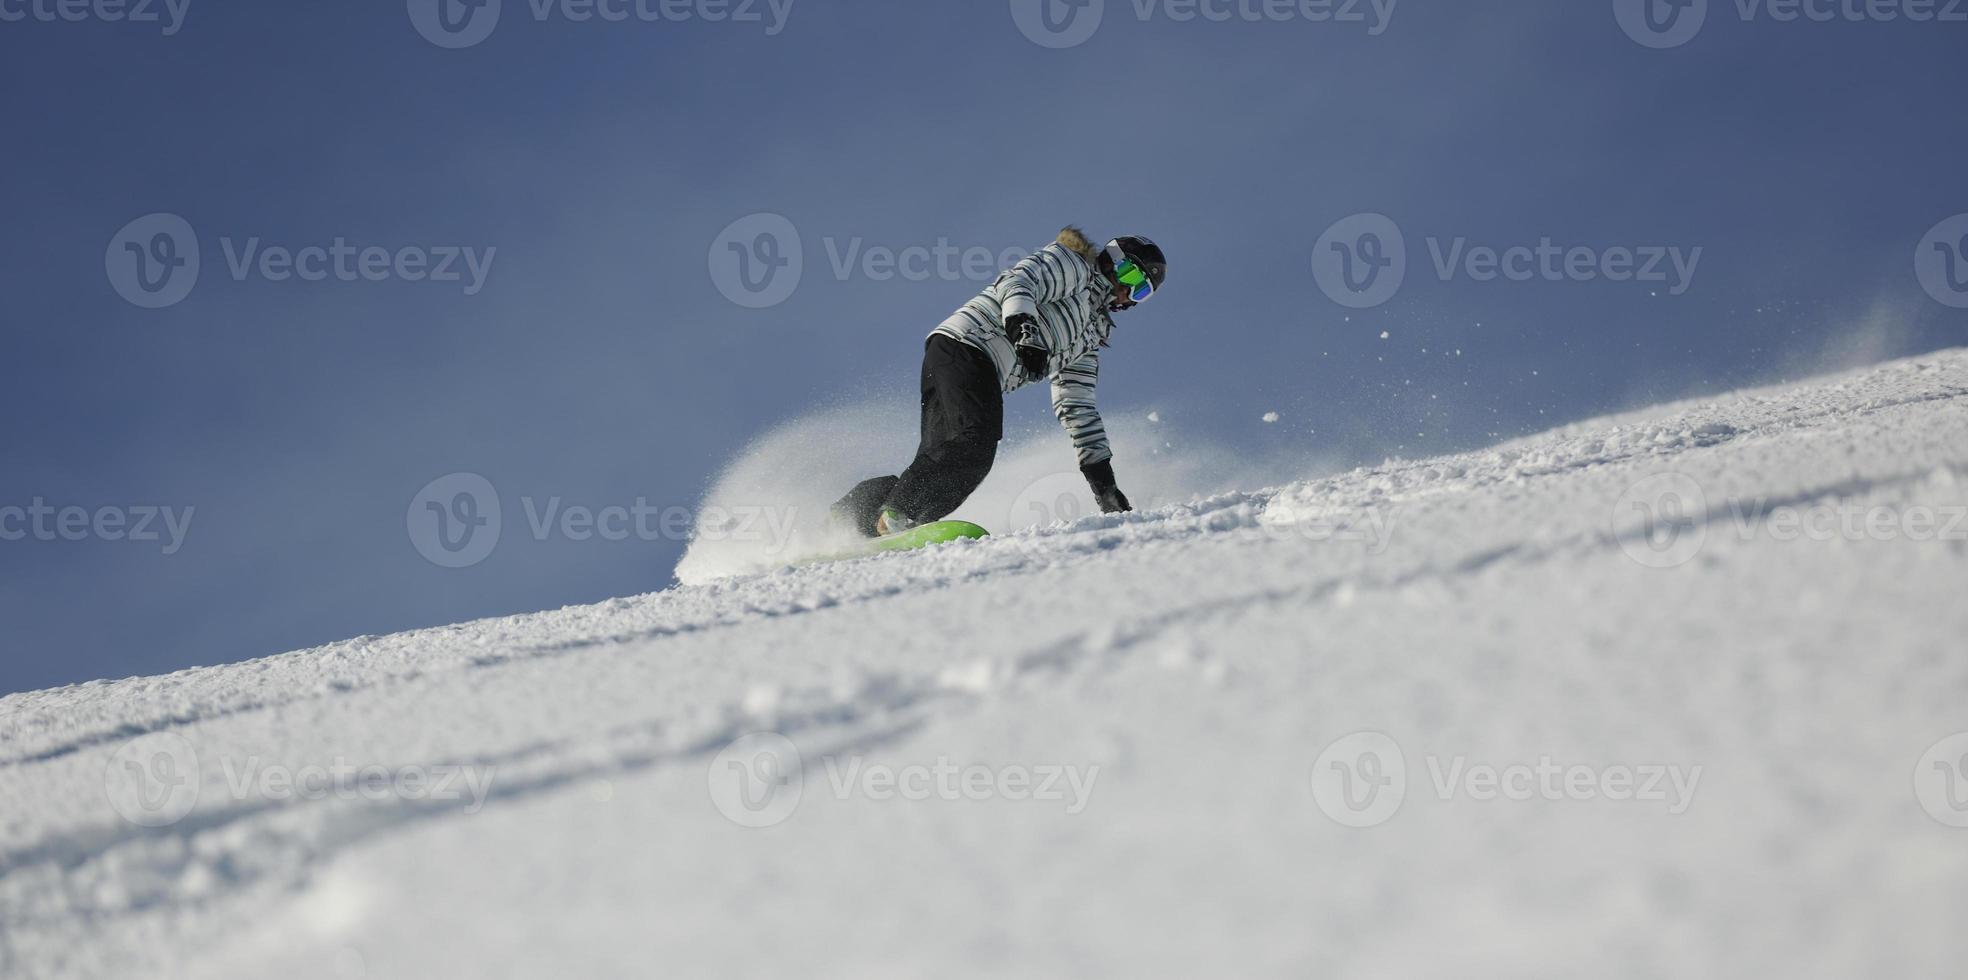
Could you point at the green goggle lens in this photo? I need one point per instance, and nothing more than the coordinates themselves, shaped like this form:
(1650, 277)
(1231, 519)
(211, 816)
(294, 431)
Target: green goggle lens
(1135, 278)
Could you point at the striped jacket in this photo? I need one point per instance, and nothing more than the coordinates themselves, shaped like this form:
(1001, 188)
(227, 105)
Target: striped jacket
(1064, 290)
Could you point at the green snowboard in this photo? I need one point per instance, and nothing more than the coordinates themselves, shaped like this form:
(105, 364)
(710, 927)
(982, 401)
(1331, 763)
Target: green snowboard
(910, 540)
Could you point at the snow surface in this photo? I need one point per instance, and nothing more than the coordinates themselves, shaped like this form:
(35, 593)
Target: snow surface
(1191, 665)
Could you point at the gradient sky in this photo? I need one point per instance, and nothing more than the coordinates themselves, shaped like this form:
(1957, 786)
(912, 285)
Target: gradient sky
(601, 361)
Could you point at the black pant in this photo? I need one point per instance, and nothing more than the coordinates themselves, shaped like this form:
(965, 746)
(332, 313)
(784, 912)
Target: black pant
(962, 421)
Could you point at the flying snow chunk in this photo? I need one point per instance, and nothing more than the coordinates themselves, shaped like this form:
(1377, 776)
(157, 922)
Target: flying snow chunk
(1383, 335)
(1154, 416)
(1270, 416)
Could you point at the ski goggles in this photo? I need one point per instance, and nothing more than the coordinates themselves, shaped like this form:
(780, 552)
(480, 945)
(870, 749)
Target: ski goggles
(1133, 276)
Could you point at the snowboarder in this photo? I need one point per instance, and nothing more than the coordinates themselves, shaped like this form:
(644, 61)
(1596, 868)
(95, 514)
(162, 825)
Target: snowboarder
(1046, 317)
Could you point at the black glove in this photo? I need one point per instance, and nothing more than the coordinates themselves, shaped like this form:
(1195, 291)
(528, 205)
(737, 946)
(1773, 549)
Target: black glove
(1100, 476)
(1024, 333)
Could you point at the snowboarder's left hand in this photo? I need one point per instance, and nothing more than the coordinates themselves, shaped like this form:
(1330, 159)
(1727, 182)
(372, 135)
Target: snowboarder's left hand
(1024, 331)
(1100, 476)
(1033, 360)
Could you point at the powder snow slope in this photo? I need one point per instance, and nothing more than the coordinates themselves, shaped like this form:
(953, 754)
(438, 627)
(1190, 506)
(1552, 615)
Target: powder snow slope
(1666, 694)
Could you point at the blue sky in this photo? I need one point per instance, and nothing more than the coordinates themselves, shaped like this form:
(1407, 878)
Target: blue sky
(594, 168)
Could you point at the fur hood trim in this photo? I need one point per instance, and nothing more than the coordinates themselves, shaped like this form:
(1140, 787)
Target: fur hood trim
(1075, 240)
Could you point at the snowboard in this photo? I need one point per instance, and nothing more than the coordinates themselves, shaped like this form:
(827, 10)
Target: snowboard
(910, 540)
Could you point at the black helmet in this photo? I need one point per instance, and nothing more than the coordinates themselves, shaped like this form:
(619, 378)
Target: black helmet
(1142, 252)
